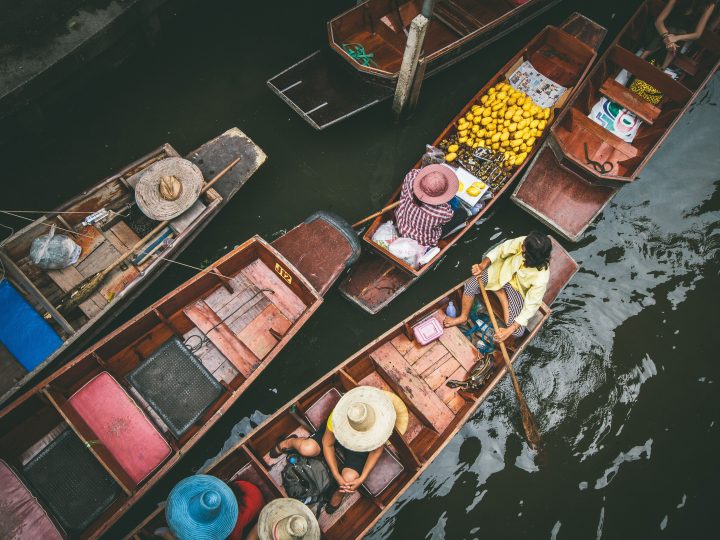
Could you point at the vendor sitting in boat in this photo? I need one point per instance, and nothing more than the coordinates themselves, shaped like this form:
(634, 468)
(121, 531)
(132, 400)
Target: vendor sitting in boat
(359, 426)
(518, 272)
(424, 213)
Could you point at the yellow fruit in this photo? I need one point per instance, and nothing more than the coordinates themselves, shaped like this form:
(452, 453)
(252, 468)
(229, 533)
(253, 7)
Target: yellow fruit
(469, 116)
(497, 106)
(504, 144)
(526, 114)
(534, 109)
(488, 142)
(506, 123)
(491, 91)
(495, 146)
(520, 158)
(523, 147)
(521, 101)
(476, 144)
(453, 148)
(483, 99)
(492, 126)
(473, 191)
(530, 141)
(470, 141)
(485, 121)
(481, 133)
(463, 133)
(462, 140)
(515, 143)
(475, 129)
(501, 95)
(512, 127)
(504, 136)
(451, 157)
(496, 137)
(518, 135)
(487, 112)
(475, 108)
(546, 113)
(494, 114)
(508, 115)
(534, 123)
(517, 118)
(541, 125)
(512, 101)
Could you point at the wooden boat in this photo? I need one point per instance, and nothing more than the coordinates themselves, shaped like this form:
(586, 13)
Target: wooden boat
(87, 442)
(392, 362)
(36, 292)
(330, 85)
(562, 188)
(379, 277)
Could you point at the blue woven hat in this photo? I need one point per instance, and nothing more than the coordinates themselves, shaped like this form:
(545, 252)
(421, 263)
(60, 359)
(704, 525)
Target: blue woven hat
(201, 507)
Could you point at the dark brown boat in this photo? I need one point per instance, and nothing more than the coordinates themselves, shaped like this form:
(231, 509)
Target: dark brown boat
(563, 54)
(393, 362)
(582, 165)
(38, 292)
(86, 443)
(331, 85)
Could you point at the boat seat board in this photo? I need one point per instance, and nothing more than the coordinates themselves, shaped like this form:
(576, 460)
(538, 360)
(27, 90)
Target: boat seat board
(176, 385)
(72, 484)
(21, 514)
(282, 296)
(121, 426)
(413, 386)
(23, 332)
(560, 198)
(260, 334)
(621, 95)
(324, 91)
(386, 469)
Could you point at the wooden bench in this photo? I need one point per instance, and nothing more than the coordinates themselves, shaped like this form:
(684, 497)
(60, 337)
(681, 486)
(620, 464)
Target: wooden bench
(616, 92)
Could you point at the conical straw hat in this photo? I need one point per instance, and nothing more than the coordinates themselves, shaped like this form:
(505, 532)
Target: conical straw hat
(363, 419)
(287, 519)
(168, 187)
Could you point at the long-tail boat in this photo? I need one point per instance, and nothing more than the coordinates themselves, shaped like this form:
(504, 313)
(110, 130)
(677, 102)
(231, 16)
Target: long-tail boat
(86, 443)
(394, 362)
(582, 165)
(33, 332)
(360, 66)
(562, 54)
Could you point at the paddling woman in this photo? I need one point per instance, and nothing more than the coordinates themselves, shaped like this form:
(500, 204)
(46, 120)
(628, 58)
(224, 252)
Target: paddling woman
(518, 272)
(675, 25)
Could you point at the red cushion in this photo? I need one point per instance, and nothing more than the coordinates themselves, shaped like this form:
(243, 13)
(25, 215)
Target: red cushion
(121, 426)
(250, 502)
(21, 516)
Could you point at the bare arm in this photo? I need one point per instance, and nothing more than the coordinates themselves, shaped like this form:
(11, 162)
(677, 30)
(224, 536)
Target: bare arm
(664, 14)
(328, 448)
(371, 461)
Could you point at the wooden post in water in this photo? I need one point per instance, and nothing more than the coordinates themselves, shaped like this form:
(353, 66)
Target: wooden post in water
(408, 70)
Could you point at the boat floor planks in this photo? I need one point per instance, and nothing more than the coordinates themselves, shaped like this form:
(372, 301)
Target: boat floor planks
(393, 362)
(379, 277)
(562, 188)
(104, 243)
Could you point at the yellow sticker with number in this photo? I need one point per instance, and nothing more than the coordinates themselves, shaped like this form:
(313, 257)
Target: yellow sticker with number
(283, 273)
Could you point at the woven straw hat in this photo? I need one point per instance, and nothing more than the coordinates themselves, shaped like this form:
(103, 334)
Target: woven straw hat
(201, 507)
(401, 412)
(363, 419)
(287, 519)
(168, 187)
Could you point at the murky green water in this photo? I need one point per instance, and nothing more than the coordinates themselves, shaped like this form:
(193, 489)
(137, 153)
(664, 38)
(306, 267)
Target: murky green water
(623, 377)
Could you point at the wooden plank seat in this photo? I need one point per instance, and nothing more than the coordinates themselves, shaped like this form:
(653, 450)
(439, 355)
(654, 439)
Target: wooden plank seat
(621, 95)
(386, 469)
(121, 426)
(176, 385)
(21, 515)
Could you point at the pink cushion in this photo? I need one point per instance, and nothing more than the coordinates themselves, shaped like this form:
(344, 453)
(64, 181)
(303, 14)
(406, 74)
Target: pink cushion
(319, 411)
(121, 426)
(21, 516)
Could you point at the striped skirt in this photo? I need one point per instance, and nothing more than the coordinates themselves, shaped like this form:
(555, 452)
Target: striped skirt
(515, 299)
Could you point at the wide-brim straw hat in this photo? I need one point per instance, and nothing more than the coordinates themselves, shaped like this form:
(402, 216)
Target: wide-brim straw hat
(435, 184)
(286, 519)
(402, 417)
(363, 419)
(174, 172)
(201, 507)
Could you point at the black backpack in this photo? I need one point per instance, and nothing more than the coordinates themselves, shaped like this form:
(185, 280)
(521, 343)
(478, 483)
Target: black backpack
(307, 479)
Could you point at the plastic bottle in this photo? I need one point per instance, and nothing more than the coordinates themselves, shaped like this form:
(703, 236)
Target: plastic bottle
(451, 311)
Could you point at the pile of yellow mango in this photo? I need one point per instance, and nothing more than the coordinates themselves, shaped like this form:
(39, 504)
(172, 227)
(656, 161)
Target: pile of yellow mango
(506, 121)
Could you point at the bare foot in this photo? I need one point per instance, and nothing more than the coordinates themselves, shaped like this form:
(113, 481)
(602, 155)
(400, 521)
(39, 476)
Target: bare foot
(454, 321)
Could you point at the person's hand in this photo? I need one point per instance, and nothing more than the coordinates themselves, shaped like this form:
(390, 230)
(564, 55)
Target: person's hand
(477, 269)
(350, 487)
(503, 333)
(670, 41)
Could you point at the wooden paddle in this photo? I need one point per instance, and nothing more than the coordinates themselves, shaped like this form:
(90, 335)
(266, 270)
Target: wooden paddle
(531, 431)
(376, 214)
(89, 285)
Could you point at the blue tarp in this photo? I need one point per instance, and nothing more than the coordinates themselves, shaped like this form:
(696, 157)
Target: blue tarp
(28, 337)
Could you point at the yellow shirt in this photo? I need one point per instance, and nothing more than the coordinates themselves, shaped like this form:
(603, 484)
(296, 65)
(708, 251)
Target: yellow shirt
(508, 266)
(329, 423)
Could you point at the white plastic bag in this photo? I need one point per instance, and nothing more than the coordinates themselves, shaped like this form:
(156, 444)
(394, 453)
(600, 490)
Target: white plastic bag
(53, 252)
(408, 250)
(616, 119)
(385, 234)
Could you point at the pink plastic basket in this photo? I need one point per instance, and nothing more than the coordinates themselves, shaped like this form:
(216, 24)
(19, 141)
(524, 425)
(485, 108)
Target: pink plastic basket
(427, 331)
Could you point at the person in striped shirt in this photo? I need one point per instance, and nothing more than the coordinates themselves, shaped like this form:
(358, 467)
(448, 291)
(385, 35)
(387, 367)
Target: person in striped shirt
(424, 213)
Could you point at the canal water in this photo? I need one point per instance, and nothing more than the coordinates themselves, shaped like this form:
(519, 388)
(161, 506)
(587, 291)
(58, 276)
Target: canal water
(624, 377)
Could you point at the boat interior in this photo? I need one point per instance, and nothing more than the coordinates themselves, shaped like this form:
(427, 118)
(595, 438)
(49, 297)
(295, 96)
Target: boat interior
(35, 293)
(395, 362)
(583, 141)
(102, 429)
(381, 28)
(554, 53)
